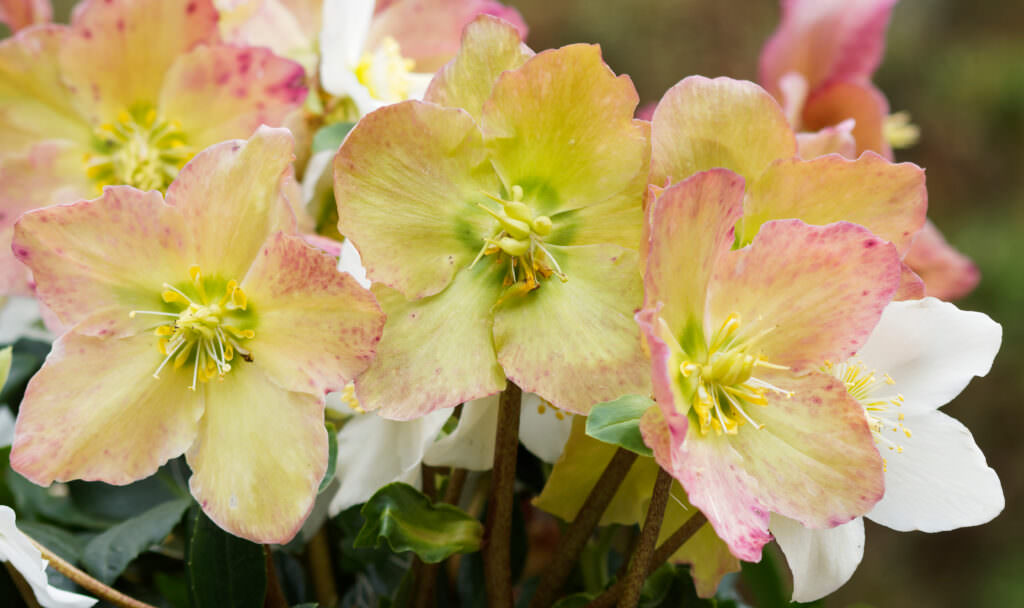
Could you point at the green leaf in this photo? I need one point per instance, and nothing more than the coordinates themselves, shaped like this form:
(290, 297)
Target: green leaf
(60, 541)
(107, 555)
(35, 502)
(408, 521)
(223, 570)
(576, 600)
(618, 422)
(331, 136)
(332, 456)
(173, 589)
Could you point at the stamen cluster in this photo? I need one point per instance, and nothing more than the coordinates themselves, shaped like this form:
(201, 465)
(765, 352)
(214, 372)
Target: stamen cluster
(140, 149)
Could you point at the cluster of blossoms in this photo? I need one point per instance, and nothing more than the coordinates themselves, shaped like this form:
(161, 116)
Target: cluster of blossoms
(749, 260)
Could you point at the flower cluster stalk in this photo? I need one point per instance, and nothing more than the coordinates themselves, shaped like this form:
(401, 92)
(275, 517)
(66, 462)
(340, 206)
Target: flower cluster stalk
(500, 503)
(87, 582)
(642, 555)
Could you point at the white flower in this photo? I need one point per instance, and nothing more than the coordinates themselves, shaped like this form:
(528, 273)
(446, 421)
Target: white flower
(919, 357)
(20, 317)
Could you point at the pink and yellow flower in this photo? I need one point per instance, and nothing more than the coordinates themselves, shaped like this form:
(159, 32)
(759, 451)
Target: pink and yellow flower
(126, 94)
(201, 324)
(18, 14)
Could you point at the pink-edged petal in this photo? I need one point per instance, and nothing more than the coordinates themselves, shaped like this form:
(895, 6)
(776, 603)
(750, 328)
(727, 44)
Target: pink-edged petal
(844, 100)
(233, 195)
(95, 412)
(666, 357)
(225, 92)
(259, 456)
(121, 49)
(289, 29)
(691, 226)
(18, 14)
(814, 457)
(704, 124)
(575, 343)
(830, 140)
(489, 47)
(429, 31)
(437, 351)
(911, 286)
(715, 481)
(826, 40)
(947, 273)
(317, 328)
(888, 199)
(705, 552)
(94, 261)
(821, 560)
(407, 180)
(813, 292)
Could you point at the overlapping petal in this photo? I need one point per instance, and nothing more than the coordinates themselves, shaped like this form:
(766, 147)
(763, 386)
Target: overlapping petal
(947, 273)
(18, 14)
(843, 100)
(821, 560)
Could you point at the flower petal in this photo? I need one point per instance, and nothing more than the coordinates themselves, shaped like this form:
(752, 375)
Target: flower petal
(346, 25)
(543, 428)
(259, 457)
(17, 14)
(830, 140)
(225, 92)
(120, 50)
(844, 100)
(940, 481)
(947, 273)
(282, 26)
(821, 560)
(406, 180)
(471, 444)
(888, 199)
(703, 124)
(817, 291)
(94, 411)
(317, 329)
(574, 343)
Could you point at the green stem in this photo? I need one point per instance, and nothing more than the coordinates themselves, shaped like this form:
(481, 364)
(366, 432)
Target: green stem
(87, 582)
(638, 564)
(318, 554)
(501, 502)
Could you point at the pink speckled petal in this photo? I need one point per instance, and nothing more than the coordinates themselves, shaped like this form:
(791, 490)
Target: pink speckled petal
(17, 14)
(120, 50)
(826, 40)
(429, 31)
(947, 273)
(813, 292)
(95, 412)
(888, 199)
(702, 124)
(437, 351)
(288, 28)
(317, 327)
(233, 195)
(843, 100)
(94, 261)
(575, 343)
(830, 140)
(224, 92)
(815, 459)
(259, 457)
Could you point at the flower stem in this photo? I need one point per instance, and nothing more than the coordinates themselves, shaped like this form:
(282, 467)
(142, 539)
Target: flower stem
(500, 503)
(579, 531)
(638, 564)
(456, 481)
(318, 554)
(87, 582)
(274, 597)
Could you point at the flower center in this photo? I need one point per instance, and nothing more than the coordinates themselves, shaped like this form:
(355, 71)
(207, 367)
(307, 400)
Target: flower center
(385, 72)
(899, 131)
(139, 149)
(881, 412)
(519, 238)
(725, 384)
(206, 333)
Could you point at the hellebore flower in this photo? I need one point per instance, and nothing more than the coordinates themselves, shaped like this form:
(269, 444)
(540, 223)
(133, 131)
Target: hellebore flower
(18, 14)
(201, 325)
(746, 420)
(499, 220)
(125, 95)
(919, 357)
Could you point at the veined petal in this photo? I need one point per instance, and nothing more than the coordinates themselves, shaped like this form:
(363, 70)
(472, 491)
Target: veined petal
(829, 140)
(947, 273)
(702, 124)
(574, 343)
(471, 444)
(225, 92)
(843, 100)
(95, 261)
(813, 292)
(561, 127)
(233, 195)
(821, 560)
(407, 379)
(95, 412)
(120, 50)
(259, 457)
(543, 428)
(406, 180)
(317, 328)
(17, 14)
(888, 199)
(489, 47)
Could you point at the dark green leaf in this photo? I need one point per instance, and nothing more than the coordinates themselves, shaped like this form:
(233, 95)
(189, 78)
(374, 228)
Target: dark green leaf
(331, 136)
(408, 521)
(223, 570)
(35, 502)
(576, 600)
(618, 422)
(173, 589)
(119, 503)
(107, 555)
(332, 456)
(60, 541)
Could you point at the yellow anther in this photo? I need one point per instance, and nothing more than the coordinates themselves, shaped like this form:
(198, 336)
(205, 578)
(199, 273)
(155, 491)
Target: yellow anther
(541, 408)
(150, 117)
(164, 330)
(124, 117)
(239, 298)
(194, 272)
(170, 296)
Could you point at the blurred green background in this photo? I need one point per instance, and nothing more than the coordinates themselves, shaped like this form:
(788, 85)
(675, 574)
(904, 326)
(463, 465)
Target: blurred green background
(958, 68)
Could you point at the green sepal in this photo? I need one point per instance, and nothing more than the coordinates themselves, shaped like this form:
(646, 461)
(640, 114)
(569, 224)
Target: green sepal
(618, 422)
(108, 554)
(409, 521)
(331, 136)
(332, 457)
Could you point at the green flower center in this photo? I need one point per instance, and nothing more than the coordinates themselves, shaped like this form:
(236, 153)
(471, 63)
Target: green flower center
(206, 333)
(139, 149)
(882, 413)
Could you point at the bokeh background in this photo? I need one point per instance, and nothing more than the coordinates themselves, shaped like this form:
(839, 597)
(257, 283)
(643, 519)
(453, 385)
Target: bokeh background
(958, 68)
